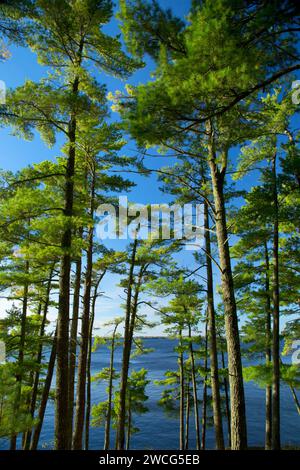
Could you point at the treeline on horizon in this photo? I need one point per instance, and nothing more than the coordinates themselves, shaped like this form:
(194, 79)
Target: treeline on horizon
(221, 103)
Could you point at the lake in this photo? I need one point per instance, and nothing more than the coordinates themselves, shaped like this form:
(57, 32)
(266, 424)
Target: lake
(160, 431)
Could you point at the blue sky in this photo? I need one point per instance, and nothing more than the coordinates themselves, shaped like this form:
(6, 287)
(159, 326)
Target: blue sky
(17, 153)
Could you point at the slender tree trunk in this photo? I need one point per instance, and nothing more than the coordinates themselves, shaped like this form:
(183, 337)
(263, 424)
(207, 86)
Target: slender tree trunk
(187, 415)
(237, 398)
(62, 439)
(276, 319)
(88, 389)
(73, 344)
(88, 384)
(19, 376)
(268, 439)
(128, 426)
(195, 392)
(296, 400)
(27, 406)
(85, 324)
(268, 432)
(182, 393)
(204, 400)
(294, 151)
(38, 360)
(122, 412)
(129, 340)
(45, 395)
(213, 353)
(110, 392)
(117, 439)
(29, 396)
(126, 354)
(227, 401)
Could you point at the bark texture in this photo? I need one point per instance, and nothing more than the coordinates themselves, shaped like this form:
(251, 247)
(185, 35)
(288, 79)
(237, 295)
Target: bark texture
(45, 395)
(213, 352)
(73, 345)
(62, 438)
(268, 427)
(85, 330)
(276, 320)
(126, 352)
(237, 397)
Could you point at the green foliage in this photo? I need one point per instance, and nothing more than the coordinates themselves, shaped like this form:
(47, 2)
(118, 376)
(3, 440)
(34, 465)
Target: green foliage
(219, 72)
(260, 374)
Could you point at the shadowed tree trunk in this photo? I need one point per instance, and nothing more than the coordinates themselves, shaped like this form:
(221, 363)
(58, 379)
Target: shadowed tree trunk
(27, 406)
(128, 425)
(276, 319)
(62, 438)
(19, 376)
(182, 393)
(134, 306)
(39, 360)
(45, 395)
(126, 354)
(110, 390)
(195, 392)
(73, 344)
(204, 399)
(31, 385)
(227, 401)
(213, 353)
(88, 384)
(297, 403)
(187, 415)
(237, 398)
(268, 431)
(85, 326)
(129, 421)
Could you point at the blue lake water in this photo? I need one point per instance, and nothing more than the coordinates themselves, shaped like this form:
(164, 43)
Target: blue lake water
(160, 431)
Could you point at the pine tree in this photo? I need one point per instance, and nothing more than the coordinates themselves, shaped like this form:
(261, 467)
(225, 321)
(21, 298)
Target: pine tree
(67, 42)
(275, 116)
(201, 97)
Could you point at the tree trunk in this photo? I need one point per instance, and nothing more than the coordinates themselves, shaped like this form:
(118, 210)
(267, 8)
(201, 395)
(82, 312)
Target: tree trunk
(276, 319)
(182, 390)
(19, 376)
(85, 325)
(88, 388)
(204, 400)
(213, 353)
(187, 415)
(227, 401)
(89, 360)
(268, 432)
(110, 392)
(237, 398)
(62, 439)
(31, 385)
(45, 395)
(38, 360)
(73, 344)
(195, 393)
(126, 354)
(297, 403)
(27, 407)
(128, 426)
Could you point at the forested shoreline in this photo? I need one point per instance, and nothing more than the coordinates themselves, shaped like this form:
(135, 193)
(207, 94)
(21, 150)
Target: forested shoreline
(222, 104)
